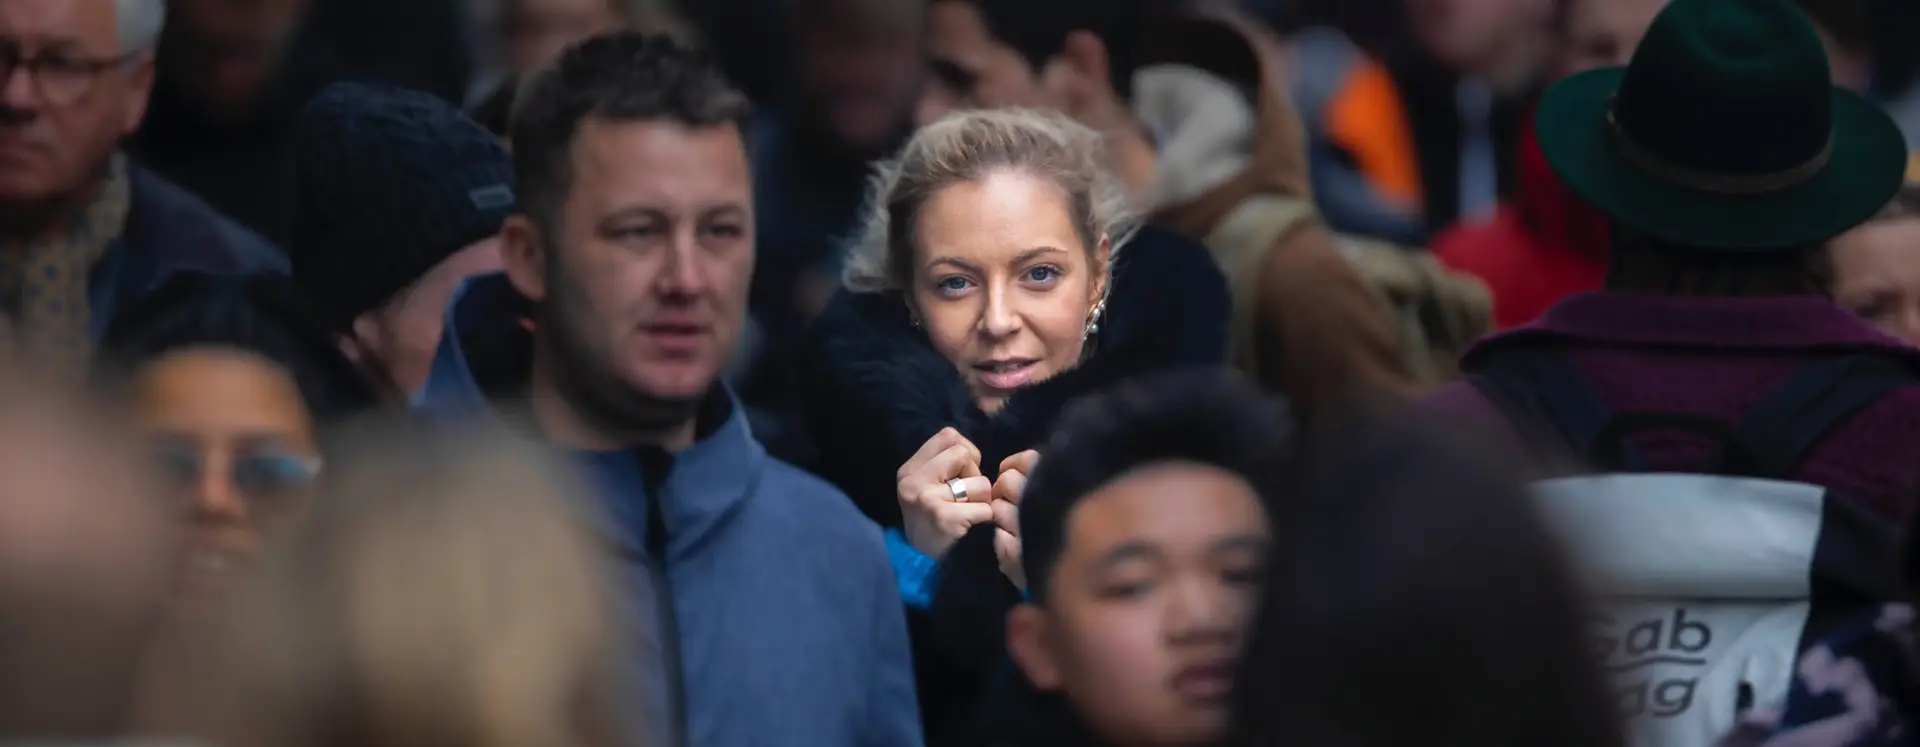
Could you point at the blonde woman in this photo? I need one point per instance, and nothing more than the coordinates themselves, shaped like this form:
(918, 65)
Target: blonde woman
(1876, 267)
(438, 593)
(1000, 276)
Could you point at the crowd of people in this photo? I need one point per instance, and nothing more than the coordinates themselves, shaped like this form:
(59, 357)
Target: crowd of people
(960, 373)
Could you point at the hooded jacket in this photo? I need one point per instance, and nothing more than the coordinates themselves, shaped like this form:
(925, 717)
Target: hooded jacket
(1306, 324)
(876, 390)
(1546, 245)
(774, 618)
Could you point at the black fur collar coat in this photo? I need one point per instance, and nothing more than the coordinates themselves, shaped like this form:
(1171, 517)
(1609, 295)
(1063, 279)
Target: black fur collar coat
(876, 390)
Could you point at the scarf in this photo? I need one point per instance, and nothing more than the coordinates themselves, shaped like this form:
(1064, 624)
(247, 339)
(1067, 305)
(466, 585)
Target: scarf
(44, 311)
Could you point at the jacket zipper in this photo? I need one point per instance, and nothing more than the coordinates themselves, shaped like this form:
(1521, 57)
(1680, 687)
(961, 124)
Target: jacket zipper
(655, 466)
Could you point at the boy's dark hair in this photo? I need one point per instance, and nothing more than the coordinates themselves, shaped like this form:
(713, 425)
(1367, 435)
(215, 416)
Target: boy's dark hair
(1207, 416)
(624, 76)
(264, 316)
(1039, 30)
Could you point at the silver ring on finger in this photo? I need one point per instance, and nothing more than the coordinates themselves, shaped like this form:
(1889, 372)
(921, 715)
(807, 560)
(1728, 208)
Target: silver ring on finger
(958, 487)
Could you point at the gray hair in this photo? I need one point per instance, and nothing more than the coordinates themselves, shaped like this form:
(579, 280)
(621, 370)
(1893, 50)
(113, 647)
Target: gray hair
(967, 147)
(137, 24)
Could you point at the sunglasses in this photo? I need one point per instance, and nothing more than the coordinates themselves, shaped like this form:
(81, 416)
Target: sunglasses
(259, 473)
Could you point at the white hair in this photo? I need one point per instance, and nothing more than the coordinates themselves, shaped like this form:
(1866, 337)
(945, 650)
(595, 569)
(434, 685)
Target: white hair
(137, 24)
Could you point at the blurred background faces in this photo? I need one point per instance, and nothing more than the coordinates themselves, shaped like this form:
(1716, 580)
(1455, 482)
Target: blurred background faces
(84, 553)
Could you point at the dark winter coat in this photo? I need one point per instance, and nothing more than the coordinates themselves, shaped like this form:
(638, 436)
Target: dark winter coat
(876, 390)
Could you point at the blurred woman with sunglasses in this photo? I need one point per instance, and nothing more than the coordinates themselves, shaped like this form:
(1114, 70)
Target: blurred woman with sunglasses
(442, 591)
(229, 384)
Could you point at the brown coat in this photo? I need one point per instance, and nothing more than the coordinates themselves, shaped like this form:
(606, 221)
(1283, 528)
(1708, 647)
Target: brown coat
(1309, 327)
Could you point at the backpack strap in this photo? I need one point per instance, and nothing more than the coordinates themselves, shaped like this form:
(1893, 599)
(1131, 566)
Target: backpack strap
(1856, 559)
(1788, 423)
(1549, 402)
(1856, 566)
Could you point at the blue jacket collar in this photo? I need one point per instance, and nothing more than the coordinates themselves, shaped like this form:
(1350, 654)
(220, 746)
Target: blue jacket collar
(708, 481)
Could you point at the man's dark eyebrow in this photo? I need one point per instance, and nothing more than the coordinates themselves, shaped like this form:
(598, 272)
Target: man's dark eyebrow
(630, 212)
(729, 210)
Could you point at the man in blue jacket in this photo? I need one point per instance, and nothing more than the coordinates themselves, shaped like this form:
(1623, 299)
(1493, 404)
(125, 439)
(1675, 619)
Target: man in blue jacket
(766, 608)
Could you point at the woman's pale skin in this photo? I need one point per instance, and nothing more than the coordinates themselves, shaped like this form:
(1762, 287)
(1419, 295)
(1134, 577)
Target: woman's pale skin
(1003, 284)
(219, 408)
(1005, 288)
(1876, 274)
(1147, 608)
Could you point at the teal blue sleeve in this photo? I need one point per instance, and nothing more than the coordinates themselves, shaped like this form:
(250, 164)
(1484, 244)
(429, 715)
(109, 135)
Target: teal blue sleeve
(912, 570)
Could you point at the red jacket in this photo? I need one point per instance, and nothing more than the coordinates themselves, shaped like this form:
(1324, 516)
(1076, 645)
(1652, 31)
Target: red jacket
(1547, 245)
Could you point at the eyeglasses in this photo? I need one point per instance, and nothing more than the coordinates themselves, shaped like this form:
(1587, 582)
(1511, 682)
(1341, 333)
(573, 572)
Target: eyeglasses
(262, 474)
(59, 78)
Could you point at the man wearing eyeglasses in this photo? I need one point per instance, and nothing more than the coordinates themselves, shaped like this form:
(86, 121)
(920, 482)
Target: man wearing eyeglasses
(82, 230)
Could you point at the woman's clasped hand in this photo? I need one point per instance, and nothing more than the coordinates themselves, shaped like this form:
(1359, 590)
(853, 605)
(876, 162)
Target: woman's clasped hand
(1006, 513)
(943, 493)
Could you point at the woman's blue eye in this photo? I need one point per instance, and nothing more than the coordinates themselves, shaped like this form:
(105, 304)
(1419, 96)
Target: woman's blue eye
(1043, 274)
(952, 284)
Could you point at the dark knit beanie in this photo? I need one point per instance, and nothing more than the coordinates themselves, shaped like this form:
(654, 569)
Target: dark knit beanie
(391, 182)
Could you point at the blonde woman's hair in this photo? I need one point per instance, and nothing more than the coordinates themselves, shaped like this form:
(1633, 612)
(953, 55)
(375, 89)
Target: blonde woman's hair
(968, 147)
(439, 593)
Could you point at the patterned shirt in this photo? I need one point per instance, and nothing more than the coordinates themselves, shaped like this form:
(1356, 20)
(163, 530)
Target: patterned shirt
(1858, 688)
(44, 310)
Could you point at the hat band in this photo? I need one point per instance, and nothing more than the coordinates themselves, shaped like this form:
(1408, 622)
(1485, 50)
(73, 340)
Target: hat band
(1708, 181)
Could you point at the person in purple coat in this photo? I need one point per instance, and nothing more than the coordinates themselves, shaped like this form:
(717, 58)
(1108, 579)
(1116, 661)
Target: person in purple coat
(1726, 159)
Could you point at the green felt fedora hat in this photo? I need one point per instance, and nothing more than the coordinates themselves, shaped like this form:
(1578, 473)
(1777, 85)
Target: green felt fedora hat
(1724, 133)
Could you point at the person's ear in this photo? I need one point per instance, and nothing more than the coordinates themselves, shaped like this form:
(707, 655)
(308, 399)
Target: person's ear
(913, 312)
(367, 339)
(1027, 643)
(1087, 57)
(524, 252)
